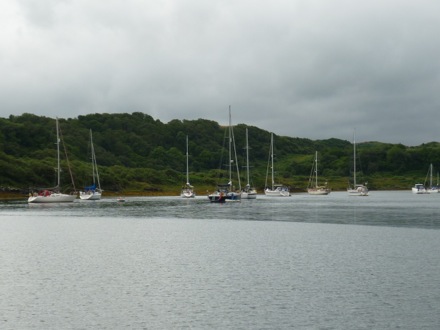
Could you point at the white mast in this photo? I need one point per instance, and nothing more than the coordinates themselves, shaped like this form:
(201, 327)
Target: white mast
(316, 169)
(247, 158)
(271, 156)
(58, 154)
(230, 150)
(94, 163)
(187, 155)
(93, 157)
(430, 177)
(354, 158)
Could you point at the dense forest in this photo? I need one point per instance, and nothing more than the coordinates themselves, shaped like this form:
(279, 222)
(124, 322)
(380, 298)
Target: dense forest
(138, 153)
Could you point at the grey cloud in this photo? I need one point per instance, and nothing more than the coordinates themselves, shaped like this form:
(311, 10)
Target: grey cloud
(299, 68)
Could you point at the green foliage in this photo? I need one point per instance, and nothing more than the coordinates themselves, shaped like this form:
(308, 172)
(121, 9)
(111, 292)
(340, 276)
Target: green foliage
(136, 151)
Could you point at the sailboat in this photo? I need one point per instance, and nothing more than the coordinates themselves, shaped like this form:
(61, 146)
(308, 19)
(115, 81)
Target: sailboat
(248, 191)
(432, 188)
(357, 189)
(52, 195)
(187, 190)
(225, 192)
(421, 188)
(314, 188)
(275, 190)
(94, 191)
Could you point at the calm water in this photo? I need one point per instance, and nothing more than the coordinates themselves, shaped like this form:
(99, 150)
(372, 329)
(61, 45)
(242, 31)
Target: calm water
(304, 262)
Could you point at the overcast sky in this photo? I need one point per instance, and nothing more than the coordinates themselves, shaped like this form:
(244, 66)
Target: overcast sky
(303, 68)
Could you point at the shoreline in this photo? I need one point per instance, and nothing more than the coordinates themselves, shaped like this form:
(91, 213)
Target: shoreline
(9, 196)
(5, 195)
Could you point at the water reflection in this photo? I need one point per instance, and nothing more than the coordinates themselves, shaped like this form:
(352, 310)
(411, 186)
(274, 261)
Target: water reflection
(251, 265)
(394, 208)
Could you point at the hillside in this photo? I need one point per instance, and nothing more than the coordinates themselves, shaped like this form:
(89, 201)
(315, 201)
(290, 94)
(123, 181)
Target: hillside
(137, 153)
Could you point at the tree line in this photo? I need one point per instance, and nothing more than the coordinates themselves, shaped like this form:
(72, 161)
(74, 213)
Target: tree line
(136, 152)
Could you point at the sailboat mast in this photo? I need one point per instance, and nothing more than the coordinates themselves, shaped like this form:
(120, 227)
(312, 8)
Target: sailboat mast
(271, 156)
(58, 154)
(316, 169)
(247, 157)
(430, 177)
(354, 158)
(94, 163)
(93, 157)
(230, 149)
(187, 155)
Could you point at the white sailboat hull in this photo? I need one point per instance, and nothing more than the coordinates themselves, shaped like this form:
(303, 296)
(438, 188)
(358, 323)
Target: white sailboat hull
(318, 191)
(248, 195)
(277, 192)
(92, 196)
(187, 194)
(359, 191)
(52, 198)
(419, 189)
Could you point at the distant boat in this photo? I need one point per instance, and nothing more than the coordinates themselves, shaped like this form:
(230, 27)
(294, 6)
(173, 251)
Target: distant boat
(356, 189)
(432, 188)
(187, 190)
(419, 188)
(248, 191)
(52, 195)
(226, 192)
(94, 191)
(314, 188)
(275, 190)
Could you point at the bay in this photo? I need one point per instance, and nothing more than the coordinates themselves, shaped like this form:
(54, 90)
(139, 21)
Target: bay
(304, 262)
